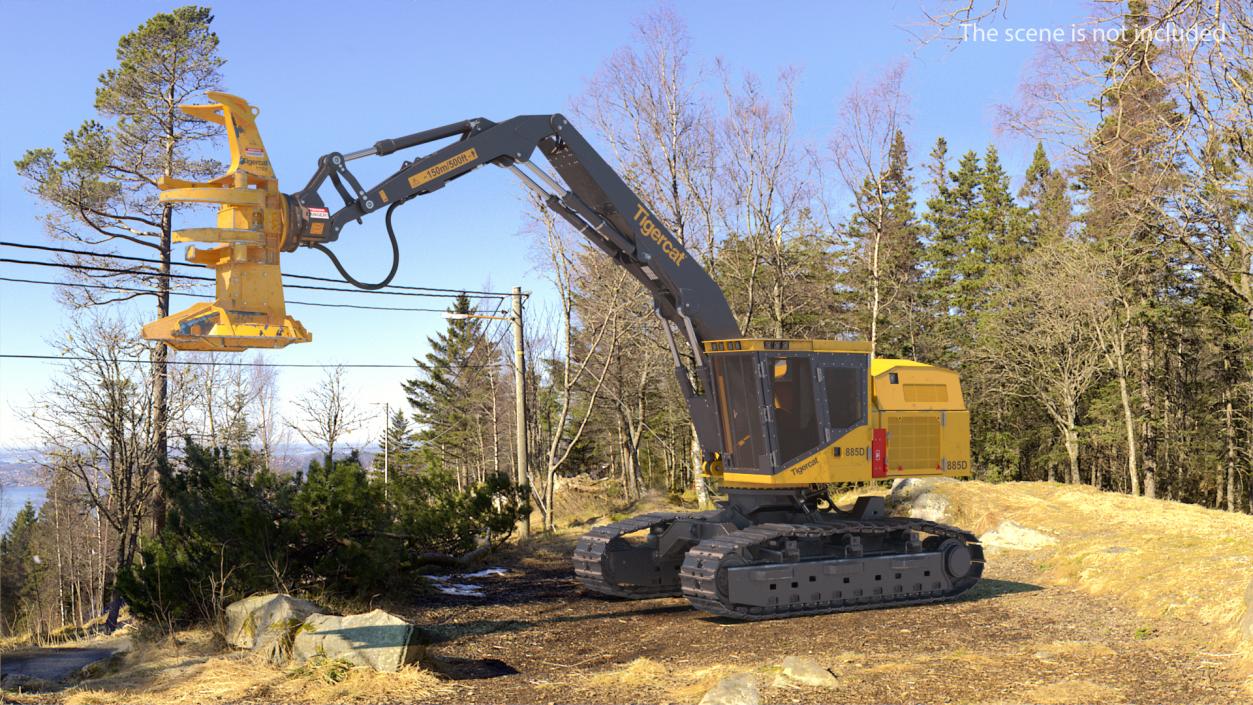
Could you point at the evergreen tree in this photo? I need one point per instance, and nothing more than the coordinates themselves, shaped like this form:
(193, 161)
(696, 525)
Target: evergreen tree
(1046, 203)
(400, 439)
(956, 255)
(18, 576)
(102, 194)
(1001, 219)
(884, 270)
(446, 390)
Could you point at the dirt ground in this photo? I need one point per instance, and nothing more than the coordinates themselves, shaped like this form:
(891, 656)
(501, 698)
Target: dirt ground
(536, 638)
(1100, 616)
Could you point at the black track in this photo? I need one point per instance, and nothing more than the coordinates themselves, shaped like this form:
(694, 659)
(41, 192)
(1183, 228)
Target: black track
(699, 572)
(590, 552)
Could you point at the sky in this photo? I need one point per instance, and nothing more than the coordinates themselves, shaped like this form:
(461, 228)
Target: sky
(334, 77)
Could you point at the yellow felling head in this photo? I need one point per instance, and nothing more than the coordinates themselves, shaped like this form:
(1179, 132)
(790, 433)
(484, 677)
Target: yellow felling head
(248, 310)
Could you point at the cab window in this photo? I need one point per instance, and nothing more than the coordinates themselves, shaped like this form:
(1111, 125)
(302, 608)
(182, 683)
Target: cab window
(743, 444)
(795, 414)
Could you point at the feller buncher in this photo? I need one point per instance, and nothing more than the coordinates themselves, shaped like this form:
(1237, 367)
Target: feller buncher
(778, 421)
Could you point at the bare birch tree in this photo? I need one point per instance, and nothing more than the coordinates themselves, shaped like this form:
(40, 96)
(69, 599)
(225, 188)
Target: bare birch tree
(327, 413)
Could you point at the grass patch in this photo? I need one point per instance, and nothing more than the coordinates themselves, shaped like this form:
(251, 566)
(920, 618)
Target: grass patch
(649, 680)
(1159, 558)
(192, 667)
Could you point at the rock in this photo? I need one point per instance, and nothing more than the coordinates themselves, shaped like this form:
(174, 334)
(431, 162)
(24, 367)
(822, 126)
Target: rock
(1246, 624)
(376, 639)
(737, 689)
(806, 671)
(1014, 536)
(266, 623)
(914, 496)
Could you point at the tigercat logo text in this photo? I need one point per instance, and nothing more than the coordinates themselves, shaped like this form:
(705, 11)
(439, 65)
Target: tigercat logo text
(797, 470)
(443, 167)
(657, 235)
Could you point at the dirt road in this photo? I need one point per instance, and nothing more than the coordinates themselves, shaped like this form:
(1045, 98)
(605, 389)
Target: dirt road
(534, 637)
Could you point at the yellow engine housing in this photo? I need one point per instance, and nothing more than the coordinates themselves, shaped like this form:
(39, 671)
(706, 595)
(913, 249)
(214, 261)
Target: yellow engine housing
(827, 412)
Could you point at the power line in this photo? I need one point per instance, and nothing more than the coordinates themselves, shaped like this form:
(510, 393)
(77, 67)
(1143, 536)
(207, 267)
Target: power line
(206, 296)
(148, 260)
(192, 277)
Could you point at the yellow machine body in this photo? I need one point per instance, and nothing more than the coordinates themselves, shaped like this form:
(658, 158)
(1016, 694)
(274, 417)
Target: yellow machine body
(803, 412)
(248, 310)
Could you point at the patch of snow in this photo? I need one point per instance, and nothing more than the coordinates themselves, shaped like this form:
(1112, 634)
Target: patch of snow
(445, 584)
(459, 589)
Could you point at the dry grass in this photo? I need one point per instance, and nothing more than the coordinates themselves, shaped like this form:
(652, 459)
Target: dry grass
(1073, 692)
(1159, 558)
(673, 683)
(196, 670)
(64, 635)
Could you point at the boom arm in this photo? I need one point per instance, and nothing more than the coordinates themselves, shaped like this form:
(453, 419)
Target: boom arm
(598, 203)
(256, 223)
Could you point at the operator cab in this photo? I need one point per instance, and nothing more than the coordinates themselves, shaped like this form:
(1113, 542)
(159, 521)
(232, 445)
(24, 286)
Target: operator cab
(783, 401)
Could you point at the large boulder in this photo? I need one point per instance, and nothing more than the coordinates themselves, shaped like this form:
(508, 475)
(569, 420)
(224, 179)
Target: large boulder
(266, 623)
(738, 689)
(914, 496)
(376, 639)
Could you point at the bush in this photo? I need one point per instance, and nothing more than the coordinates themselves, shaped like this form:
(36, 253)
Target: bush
(233, 528)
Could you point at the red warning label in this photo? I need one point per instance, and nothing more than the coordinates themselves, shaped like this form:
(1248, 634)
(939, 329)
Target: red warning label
(319, 213)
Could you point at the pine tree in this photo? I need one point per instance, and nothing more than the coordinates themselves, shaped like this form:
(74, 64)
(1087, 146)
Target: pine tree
(884, 269)
(1001, 219)
(102, 194)
(956, 255)
(18, 575)
(400, 440)
(443, 395)
(1046, 203)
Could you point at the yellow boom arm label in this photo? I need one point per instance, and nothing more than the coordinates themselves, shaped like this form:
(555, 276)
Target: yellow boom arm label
(443, 167)
(657, 235)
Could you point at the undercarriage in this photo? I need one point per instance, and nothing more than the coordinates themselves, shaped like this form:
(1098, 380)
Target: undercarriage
(780, 553)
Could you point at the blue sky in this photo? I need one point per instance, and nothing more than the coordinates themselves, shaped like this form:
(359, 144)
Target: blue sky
(334, 76)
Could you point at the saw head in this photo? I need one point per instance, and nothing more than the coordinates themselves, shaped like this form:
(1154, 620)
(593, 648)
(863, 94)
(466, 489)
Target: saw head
(248, 310)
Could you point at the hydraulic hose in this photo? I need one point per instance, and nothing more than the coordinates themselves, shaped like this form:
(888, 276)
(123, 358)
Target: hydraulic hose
(391, 234)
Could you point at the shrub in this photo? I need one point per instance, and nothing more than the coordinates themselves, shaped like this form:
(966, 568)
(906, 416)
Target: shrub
(233, 528)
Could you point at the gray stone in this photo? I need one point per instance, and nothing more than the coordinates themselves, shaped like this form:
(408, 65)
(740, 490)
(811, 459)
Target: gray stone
(1007, 534)
(806, 671)
(375, 639)
(737, 689)
(914, 497)
(266, 623)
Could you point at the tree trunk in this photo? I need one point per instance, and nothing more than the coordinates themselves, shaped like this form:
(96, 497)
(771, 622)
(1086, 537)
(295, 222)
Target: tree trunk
(1230, 429)
(1146, 414)
(1071, 439)
(1133, 471)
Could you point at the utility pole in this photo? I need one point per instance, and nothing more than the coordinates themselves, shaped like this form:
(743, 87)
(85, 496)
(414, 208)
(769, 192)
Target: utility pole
(519, 395)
